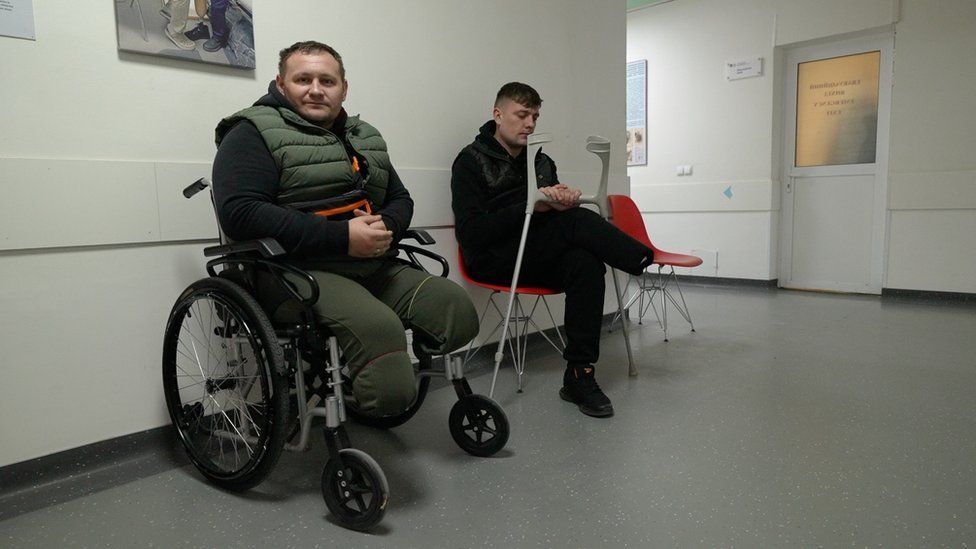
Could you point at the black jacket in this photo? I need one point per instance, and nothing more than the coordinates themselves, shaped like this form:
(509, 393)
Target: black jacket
(488, 195)
(245, 189)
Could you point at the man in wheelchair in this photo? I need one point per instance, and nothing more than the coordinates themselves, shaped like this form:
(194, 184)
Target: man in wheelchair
(296, 167)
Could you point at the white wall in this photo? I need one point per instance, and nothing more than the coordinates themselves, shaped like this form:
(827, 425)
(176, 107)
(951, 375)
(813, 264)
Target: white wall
(730, 131)
(94, 243)
(932, 187)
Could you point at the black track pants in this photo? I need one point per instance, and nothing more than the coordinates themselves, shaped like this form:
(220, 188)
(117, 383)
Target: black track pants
(569, 250)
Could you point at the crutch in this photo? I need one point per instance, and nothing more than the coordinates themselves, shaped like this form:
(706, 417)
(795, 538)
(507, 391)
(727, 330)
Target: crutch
(534, 195)
(600, 146)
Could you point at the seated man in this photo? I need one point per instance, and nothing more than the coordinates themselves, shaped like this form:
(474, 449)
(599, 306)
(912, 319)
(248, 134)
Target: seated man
(567, 246)
(278, 164)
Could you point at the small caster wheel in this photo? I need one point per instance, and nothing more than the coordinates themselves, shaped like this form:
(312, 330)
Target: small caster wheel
(355, 489)
(478, 425)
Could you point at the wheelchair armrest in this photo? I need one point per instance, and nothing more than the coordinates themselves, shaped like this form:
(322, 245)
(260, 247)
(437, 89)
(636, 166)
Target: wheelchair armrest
(420, 235)
(413, 251)
(267, 247)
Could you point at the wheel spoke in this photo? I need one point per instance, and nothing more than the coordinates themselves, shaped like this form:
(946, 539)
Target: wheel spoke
(229, 422)
(190, 385)
(360, 502)
(241, 407)
(203, 330)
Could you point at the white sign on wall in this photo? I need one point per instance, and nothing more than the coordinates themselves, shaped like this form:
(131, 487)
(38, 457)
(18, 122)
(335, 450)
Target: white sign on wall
(17, 18)
(744, 68)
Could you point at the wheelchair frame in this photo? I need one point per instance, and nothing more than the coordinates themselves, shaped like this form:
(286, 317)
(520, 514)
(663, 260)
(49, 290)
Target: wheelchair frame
(287, 360)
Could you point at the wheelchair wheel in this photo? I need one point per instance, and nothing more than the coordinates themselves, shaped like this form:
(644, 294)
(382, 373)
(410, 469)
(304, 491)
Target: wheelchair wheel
(225, 388)
(355, 489)
(478, 425)
(387, 422)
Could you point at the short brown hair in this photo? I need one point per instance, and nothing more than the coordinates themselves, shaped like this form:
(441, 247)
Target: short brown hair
(523, 94)
(307, 47)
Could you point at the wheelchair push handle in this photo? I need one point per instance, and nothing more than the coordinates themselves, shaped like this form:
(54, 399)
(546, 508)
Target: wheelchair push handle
(196, 186)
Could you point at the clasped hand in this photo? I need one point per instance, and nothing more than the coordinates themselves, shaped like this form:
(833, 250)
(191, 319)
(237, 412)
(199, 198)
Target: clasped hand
(368, 236)
(561, 198)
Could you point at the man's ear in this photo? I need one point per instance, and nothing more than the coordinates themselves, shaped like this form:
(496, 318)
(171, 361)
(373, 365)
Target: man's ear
(345, 88)
(496, 114)
(280, 82)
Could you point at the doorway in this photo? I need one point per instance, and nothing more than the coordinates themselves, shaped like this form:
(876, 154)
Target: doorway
(837, 112)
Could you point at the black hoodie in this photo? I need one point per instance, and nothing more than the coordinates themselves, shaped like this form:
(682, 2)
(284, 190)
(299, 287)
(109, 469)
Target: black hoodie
(488, 196)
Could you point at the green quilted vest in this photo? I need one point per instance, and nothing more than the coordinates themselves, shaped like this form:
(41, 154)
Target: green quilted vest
(312, 161)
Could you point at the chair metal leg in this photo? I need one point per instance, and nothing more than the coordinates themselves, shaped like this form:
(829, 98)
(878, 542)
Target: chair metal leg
(631, 366)
(504, 322)
(683, 309)
(562, 342)
(620, 314)
(664, 302)
(471, 351)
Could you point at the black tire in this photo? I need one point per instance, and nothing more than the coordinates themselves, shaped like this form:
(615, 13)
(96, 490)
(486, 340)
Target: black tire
(355, 489)
(231, 407)
(387, 422)
(478, 425)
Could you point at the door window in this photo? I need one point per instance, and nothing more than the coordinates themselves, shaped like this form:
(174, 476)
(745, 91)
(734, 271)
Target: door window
(837, 110)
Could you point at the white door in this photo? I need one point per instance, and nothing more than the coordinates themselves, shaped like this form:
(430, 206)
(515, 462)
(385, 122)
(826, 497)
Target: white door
(836, 166)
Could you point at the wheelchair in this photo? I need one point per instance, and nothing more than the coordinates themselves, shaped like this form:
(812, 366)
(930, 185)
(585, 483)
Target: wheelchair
(240, 389)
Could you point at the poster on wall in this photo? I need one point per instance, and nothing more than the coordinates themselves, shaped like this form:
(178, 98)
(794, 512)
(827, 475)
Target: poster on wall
(637, 113)
(17, 18)
(208, 31)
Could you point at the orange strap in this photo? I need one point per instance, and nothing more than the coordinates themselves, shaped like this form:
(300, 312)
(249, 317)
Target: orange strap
(363, 204)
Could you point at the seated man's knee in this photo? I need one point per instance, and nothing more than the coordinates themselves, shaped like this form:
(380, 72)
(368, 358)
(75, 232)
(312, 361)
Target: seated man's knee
(464, 326)
(446, 319)
(386, 385)
(586, 260)
(396, 398)
(582, 215)
(581, 263)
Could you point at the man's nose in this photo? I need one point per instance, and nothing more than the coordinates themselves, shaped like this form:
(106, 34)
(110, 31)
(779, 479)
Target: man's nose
(316, 88)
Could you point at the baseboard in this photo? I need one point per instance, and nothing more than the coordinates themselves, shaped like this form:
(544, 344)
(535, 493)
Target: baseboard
(57, 478)
(922, 295)
(49, 480)
(928, 295)
(705, 281)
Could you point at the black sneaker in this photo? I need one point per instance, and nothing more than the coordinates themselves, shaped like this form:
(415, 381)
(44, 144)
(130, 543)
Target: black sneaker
(214, 44)
(580, 388)
(199, 32)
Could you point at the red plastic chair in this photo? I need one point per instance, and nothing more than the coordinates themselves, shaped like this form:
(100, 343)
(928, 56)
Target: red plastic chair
(626, 217)
(517, 338)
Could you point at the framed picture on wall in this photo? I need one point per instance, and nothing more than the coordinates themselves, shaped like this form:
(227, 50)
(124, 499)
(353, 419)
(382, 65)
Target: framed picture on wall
(637, 113)
(209, 31)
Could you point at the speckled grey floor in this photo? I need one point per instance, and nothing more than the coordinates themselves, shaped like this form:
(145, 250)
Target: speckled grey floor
(788, 419)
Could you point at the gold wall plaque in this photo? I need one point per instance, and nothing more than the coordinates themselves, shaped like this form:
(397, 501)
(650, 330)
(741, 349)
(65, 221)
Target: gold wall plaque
(837, 110)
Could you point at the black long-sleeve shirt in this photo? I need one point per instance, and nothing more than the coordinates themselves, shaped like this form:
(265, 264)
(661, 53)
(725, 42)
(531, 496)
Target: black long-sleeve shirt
(246, 185)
